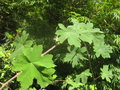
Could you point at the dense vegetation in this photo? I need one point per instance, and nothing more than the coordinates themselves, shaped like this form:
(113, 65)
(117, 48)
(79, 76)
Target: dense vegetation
(59, 45)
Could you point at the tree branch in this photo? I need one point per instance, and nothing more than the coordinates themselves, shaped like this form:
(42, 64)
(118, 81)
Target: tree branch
(48, 50)
(1, 83)
(6, 83)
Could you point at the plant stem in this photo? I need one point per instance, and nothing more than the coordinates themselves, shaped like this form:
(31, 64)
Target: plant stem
(6, 83)
(48, 50)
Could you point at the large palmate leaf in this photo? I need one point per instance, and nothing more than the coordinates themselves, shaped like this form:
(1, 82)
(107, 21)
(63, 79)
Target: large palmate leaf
(77, 32)
(106, 73)
(69, 34)
(75, 55)
(84, 32)
(33, 66)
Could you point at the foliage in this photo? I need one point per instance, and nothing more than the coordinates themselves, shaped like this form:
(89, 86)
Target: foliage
(88, 44)
(82, 33)
(83, 76)
(73, 84)
(74, 55)
(21, 42)
(116, 14)
(40, 67)
(106, 74)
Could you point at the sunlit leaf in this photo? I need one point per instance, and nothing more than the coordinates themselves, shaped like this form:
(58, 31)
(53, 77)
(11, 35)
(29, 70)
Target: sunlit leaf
(33, 66)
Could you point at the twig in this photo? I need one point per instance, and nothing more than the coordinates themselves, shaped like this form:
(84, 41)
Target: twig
(1, 83)
(97, 78)
(48, 50)
(5, 84)
(59, 80)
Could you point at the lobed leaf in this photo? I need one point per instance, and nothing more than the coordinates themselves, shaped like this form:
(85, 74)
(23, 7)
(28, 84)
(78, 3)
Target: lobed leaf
(33, 66)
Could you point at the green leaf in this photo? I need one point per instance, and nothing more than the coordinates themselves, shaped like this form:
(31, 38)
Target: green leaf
(68, 34)
(78, 32)
(75, 55)
(33, 66)
(8, 35)
(83, 76)
(20, 39)
(88, 33)
(106, 73)
(32, 89)
(20, 43)
(6, 88)
(81, 32)
(103, 50)
(61, 26)
(2, 52)
(72, 85)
